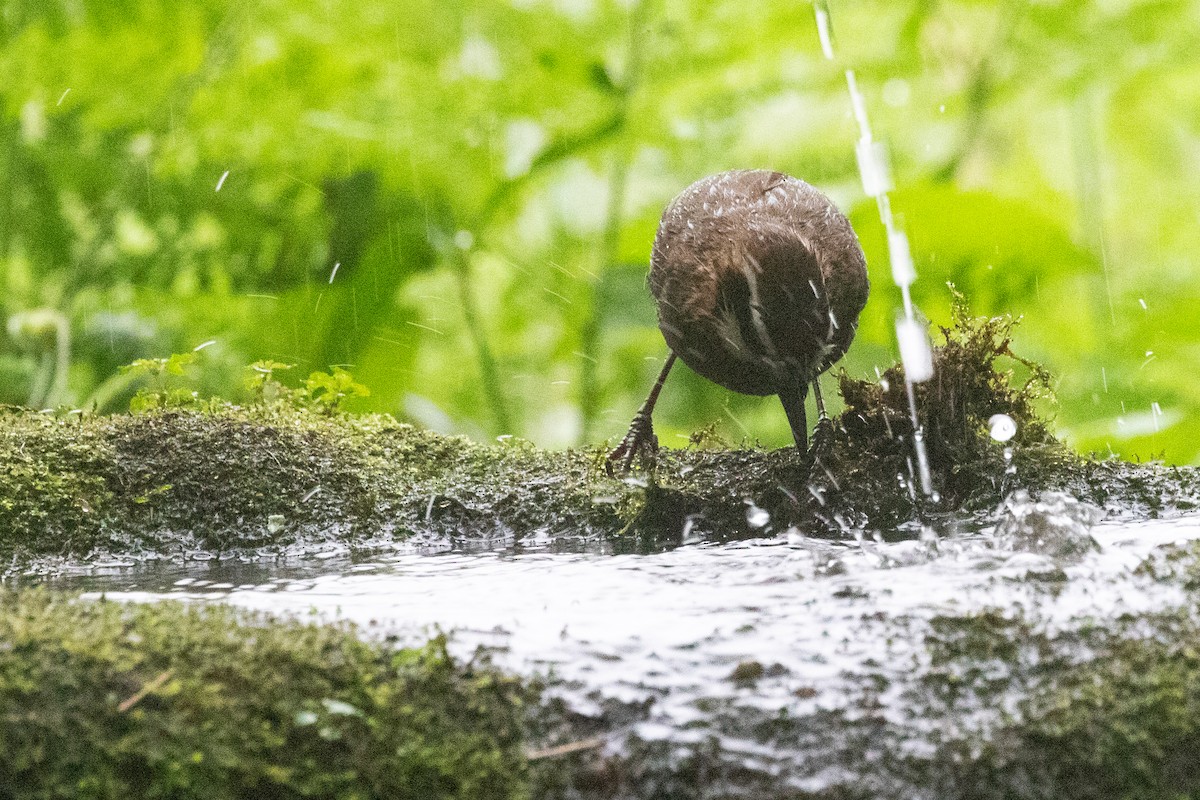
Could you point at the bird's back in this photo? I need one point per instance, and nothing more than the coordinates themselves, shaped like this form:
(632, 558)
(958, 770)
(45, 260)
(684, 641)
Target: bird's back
(759, 280)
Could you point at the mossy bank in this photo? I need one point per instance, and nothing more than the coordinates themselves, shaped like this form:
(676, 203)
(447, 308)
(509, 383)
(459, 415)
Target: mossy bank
(209, 475)
(108, 700)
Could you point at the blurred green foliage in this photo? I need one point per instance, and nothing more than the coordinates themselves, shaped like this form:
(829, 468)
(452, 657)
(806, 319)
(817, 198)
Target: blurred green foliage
(456, 200)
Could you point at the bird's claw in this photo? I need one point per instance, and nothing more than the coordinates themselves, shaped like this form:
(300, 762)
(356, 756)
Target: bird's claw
(640, 442)
(822, 440)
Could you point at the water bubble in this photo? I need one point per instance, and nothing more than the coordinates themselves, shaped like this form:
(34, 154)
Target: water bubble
(1002, 427)
(464, 239)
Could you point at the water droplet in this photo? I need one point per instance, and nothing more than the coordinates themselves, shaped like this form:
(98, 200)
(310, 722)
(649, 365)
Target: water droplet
(756, 517)
(1002, 427)
(823, 29)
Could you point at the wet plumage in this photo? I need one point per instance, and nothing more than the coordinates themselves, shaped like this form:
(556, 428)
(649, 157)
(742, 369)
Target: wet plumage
(759, 281)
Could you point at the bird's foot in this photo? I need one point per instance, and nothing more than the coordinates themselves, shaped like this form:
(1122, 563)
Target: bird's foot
(640, 443)
(822, 440)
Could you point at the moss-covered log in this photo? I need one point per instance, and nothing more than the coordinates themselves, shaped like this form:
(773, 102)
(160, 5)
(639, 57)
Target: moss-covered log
(107, 700)
(217, 477)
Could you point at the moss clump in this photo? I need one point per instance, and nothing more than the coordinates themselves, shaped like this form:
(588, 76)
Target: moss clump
(954, 406)
(109, 700)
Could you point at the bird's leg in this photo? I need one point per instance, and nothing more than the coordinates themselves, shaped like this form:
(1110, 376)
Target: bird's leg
(793, 406)
(640, 440)
(823, 435)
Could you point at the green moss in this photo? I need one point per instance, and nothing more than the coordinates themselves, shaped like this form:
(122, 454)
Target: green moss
(973, 380)
(109, 700)
(1110, 710)
(217, 476)
(230, 477)
(52, 479)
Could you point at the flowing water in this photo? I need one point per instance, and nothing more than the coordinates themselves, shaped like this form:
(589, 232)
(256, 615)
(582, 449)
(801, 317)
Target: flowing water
(776, 626)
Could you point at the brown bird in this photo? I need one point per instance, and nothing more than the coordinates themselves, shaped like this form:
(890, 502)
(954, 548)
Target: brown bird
(759, 281)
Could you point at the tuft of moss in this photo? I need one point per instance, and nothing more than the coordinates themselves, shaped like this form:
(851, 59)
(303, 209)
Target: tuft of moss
(968, 387)
(107, 700)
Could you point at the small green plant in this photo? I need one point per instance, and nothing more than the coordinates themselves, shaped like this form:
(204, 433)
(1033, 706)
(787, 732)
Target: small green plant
(325, 391)
(159, 395)
(320, 391)
(261, 383)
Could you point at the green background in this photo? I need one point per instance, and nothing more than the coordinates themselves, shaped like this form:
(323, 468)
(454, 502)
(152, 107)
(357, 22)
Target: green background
(488, 176)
